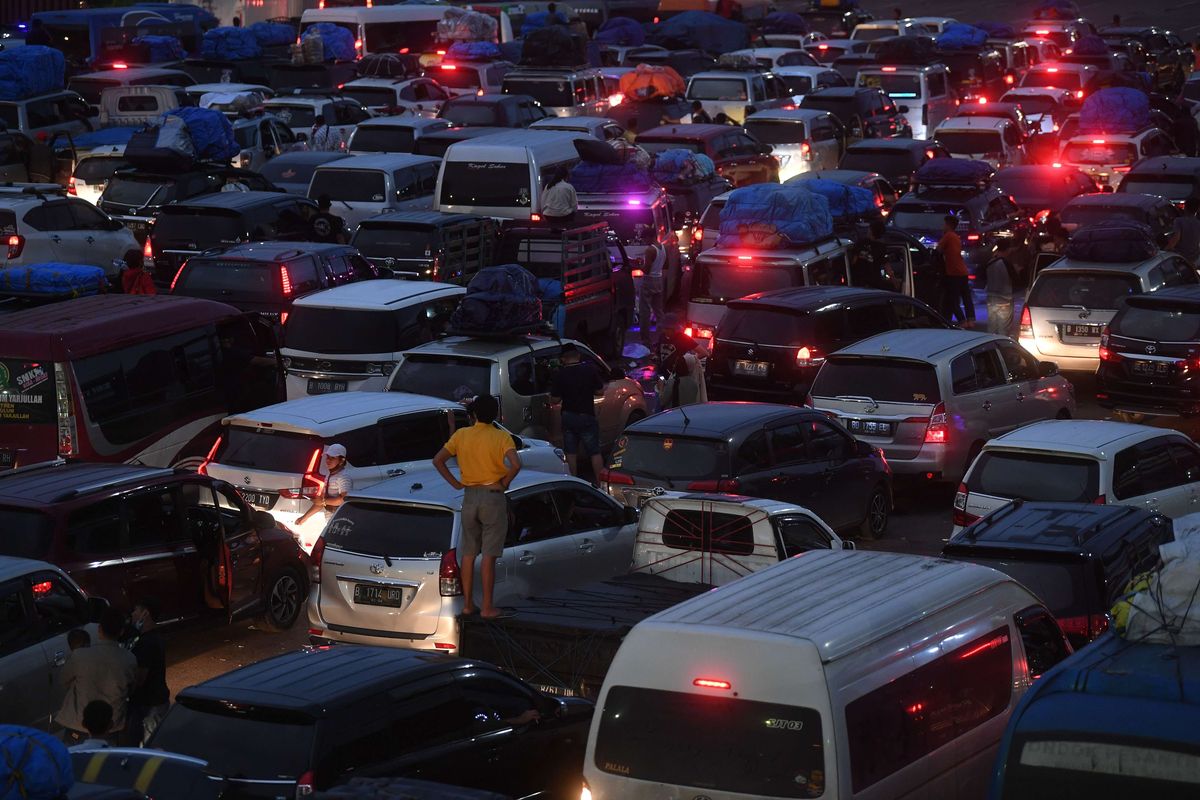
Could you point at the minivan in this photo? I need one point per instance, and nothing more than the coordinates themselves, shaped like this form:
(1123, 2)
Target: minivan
(924, 89)
(364, 186)
(382, 29)
(562, 92)
(834, 674)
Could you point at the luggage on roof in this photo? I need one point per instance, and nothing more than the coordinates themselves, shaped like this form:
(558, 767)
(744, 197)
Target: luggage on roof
(647, 81)
(597, 152)
(473, 51)
(554, 46)
(700, 29)
(53, 280)
(273, 34)
(337, 42)
(539, 20)
(772, 216)
(953, 172)
(680, 166)
(461, 25)
(166, 148)
(621, 31)
(998, 30)
(960, 36)
(501, 300)
(29, 71)
(1113, 110)
(845, 202)
(1091, 45)
(33, 765)
(1115, 241)
(230, 44)
(785, 22)
(210, 131)
(161, 48)
(390, 65)
(589, 177)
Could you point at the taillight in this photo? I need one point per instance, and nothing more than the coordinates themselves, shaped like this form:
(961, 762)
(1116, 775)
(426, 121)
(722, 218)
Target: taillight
(203, 468)
(286, 280)
(1026, 329)
(178, 272)
(311, 485)
(1088, 626)
(727, 485)
(16, 244)
(961, 517)
(613, 477)
(449, 576)
(148, 249)
(1102, 500)
(936, 432)
(698, 234)
(71, 188)
(807, 357)
(314, 560)
(306, 785)
(806, 151)
(973, 237)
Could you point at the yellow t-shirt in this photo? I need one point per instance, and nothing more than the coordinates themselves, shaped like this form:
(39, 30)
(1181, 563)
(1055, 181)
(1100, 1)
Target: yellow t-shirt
(480, 452)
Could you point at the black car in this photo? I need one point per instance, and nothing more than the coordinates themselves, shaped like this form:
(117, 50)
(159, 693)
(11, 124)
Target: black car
(1155, 212)
(428, 245)
(787, 453)
(867, 113)
(493, 111)
(986, 214)
(1039, 189)
(183, 229)
(1170, 57)
(1077, 557)
(436, 143)
(975, 72)
(1150, 354)
(895, 159)
(309, 720)
(1172, 177)
(770, 345)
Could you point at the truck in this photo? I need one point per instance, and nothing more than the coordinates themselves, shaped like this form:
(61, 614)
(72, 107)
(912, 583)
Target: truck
(563, 642)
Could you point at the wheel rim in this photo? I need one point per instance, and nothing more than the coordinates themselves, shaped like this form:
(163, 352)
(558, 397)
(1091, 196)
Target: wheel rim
(285, 599)
(878, 514)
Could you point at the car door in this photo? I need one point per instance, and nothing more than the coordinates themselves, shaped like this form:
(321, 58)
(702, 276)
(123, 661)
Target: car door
(597, 541)
(795, 477)
(529, 379)
(939, 101)
(1033, 401)
(796, 534)
(610, 406)
(93, 238)
(54, 241)
(94, 545)
(58, 609)
(241, 551)
(826, 149)
(980, 389)
(849, 477)
(1146, 475)
(533, 547)
(25, 673)
(407, 441)
(1187, 463)
(160, 560)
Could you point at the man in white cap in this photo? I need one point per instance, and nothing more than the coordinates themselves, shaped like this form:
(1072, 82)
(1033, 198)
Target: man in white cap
(337, 484)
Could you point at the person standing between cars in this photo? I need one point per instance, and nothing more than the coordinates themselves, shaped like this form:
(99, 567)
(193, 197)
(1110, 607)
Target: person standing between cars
(103, 671)
(337, 485)
(97, 721)
(327, 227)
(650, 295)
(150, 699)
(699, 115)
(1185, 236)
(559, 201)
(679, 357)
(488, 463)
(134, 278)
(956, 300)
(1001, 282)
(574, 389)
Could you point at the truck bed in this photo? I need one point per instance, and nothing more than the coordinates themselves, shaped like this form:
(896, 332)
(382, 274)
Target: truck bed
(563, 642)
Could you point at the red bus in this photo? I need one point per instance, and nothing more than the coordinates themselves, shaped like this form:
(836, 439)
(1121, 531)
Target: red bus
(130, 378)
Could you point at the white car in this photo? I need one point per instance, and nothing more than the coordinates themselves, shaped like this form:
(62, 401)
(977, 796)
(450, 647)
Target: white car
(275, 455)
(996, 140)
(306, 116)
(39, 222)
(1083, 461)
(801, 80)
(93, 169)
(1108, 157)
(392, 134)
(771, 58)
(603, 128)
(421, 97)
(1042, 106)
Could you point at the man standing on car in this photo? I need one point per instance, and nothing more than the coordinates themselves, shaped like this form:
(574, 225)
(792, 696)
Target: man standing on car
(574, 389)
(337, 485)
(956, 300)
(488, 463)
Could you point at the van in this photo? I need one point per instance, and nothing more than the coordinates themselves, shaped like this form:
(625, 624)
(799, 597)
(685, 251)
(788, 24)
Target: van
(364, 186)
(503, 176)
(127, 378)
(91, 85)
(924, 89)
(383, 29)
(996, 140)
(563, 92)
(835, 674)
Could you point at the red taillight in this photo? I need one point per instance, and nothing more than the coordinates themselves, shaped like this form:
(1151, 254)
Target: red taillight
(807, 357)
(1009, 79)
(937, 431)
(71, 188)
(611, 476)
(314, 560)
(16, 244)
(1102, 500)
(698, 234)
(178, 272)
(535, 217)
(961, 517)
(311, 485)
(449, 575)
(1026, 328)
(637, 273)
(806, 151)
(1108, 355)
(286, 279)
(974, 237)
(712, 683)
(283, 315)
(203, 468)
(148, 249)
(725, 485)
(1089, 626)
(306, 785)
(41, 588)
(120, 65)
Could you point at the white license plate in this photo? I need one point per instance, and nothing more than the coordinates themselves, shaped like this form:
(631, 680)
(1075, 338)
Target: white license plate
(371, 595)
(325, 387)
(257, 498)
(753, 369)
(1081, 330)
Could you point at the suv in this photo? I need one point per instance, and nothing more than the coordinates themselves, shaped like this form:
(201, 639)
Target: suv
(895, 159)
(1175, 178)
(1078, 557)
(1083, 461)
(995, 140)
(492, 111)
(562, 92)
(47, 114)
(924, 88)
(1151, 210)
(738, 156)
(391, 134)
(1148, 362)
(39, 223)
(801, 139)
(1171, 60)
(866, 113)
(366, 186)
(418, 97)
(975, 73)
(1075, 78)
(268, 276)
(306, 114)
(518, 372)
(770, 345)
(1108, 157)
(301, 722)
(125, 532)
(40, 606)
(932, 398)
(737, 93)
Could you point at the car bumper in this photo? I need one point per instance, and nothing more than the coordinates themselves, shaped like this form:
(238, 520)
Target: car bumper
(1080, 362)
(1161, 401)
(297, 383)
(444, 640)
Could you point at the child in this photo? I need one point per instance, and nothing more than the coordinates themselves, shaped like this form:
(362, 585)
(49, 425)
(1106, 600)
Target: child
(134, 278)
(98, 719)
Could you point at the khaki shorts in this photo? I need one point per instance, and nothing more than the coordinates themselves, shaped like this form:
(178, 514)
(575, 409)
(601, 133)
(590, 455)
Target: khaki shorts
(484, 522)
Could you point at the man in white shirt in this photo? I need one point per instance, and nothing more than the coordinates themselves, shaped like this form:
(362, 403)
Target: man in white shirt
(337, 485)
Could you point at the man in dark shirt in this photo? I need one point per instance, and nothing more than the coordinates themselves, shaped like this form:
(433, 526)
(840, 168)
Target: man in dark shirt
(575, 387)
(327, 227)
(150, 698)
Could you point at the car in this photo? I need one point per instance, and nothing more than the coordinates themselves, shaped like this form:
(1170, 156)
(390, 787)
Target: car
(1170, 58)
(1084, 461)
(126, 532)
(603, 128)
(1148, 352)
(997, 140)
(734, 93)
(366, 186)
(307, 114)
(770, 345)
(1075, 78)
(436, 143)
(90, 85)
(392, 134)
(1071, 302)
(1042, 189)
(866, 113)
(976, 73)
(771, 58)
(873, 182)
(428, 245)
(93, 171)
(460, 77)
(1045, 108)
(1062, 32)
(41, 606)
(1155, 212)
(924, 89)
(292, 172)
(1176, 178)
(261, 139)
(800, 81)
(778, 452)
(801, 139)
(1078, 557)
(738, 156)
(564, 92)
(1108, 157)
(492, 111)
(40, 223)
(419, 97)
(895, 159)
(47, 114)
(932, 398)
(828, 51)
(314, 719)
(880, 29)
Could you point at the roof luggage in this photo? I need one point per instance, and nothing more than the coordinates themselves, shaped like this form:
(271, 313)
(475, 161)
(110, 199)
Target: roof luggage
(784, 22)
(160, 49)
(1115, 241)
(1056, 9)
(165, 148)
(1162, 608)
(500, 301)
(709, 32)
(846, 203)
(53, 280)
(680, 166)
(1117, 109)
(33, 765)
(539, 20)
(960, 36)
(392, 65)
(953, 172)
(474, 51)
(773, 216)
(597, 178)
(647, 81)
(621, 31)
(337, 42)
(210, 131)
(29, 71)
(554, 46)
(230, 44)
(467, 26)
(1090, 46)
(998, 30)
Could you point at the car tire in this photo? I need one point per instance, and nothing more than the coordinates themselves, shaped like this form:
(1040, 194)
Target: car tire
(879, 511)
(283, 601)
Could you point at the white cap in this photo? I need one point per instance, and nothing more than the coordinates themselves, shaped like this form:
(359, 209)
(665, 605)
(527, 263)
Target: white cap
(335, 451)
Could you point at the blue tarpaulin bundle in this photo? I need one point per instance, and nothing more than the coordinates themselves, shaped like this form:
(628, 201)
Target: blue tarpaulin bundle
(161, 48)
(499, 300)
(29, 71)
(774, 215)
(273, 34)
(511, 51)
(953, 172)
(784, 22)
(1091, 46)
(623, 31)
(230, 44)
(212, 135)
(72, 280)
(474, 51)
(844, 201)
(338, 42)
(1056, 9)
(959, 36)
(700, 29)
(682, 166)
(1113, 110)
(1114, 241)
(105, 137)
(588, 177)
(33, 765)
(541, 19)
(998, 30)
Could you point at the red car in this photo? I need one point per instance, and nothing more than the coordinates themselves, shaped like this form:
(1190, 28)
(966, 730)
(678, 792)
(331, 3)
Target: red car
(739, 157)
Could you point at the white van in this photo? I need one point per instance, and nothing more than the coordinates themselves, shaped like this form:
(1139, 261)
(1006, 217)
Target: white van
(924, 89)
(502, 175)
(364, 186)
(383, 29)
(836, 674)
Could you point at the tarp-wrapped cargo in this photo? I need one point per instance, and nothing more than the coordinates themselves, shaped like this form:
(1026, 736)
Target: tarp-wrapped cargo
(474, 51)
(621, 31)
(591, 178)
(1056, 9)
(772, 215)
(389, 65)
(845, 202)
(499, 300)
(467, 26)
(1115, 241)
(1115, 110)
(230, 44)
(160, 49)
(680, 166)
(338, 42)
(29, 71)
(53, 279)
(511, 51)
(784, 22)
(960, 36)
(164, 148)
(998, 30)
(539, 20)
(210, 131)
(273, 34)
(708, 32)
(953, 172)
(905, 50)
(646, 81)
(33, 764)
(554, 46)
(1091, 45)
(105, 137)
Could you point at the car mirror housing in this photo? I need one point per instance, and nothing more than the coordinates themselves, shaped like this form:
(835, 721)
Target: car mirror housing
(96, 606)
(263, 521)
(1047, 368)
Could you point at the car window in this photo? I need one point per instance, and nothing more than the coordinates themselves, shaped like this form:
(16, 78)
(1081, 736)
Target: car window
(15, 623)
(362, 446)
(95, 530)
(1043, 641)
(529, 374)
(1021, 366)
(754, 454)
(412, 437)
(87, 217)
(302, 273)
(1187, 461)
(1145, 468)
(868, 320)
(154, 519)
(57, 606)
(988, 372)
(911, 315)
(825, 442)
(533, 518)
(827, 271)
(52, 216)
(582, 509)
(787, 445)
(937, 84)
(795, 535)
(494, 701)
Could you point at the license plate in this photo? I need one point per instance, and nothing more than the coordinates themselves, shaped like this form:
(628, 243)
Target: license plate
(1152, 369)
(1081, 330)
(8, 459)
(370, 595)
(753, 369)
(258, 498)
(325, 387)
(871, 427)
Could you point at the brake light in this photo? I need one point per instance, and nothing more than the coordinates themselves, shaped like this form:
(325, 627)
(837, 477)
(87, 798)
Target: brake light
(148, 249)
(888, 69)
(286, 280)
(822, 47)
(306, 785)
(616, 478)
(1098, 141)
(726, 485)
(203, 468)
(449, 66)
(698, 234)
(637, 273)
(1102, 500)
(937, 430)
(981, 100)
(806, 151)
(961, 517)
(1108, 355)
(1089, 626)
(1009, 79)
(358, 45)
(973, 237)
(807, 357)
(314, 560)
(120, 65)
(1079, 95)
(178, 272)
(311, 485)
(1026, 327)
(712, 683)
(71, 188)
(535, 217)
(16, 244)
(449, 575)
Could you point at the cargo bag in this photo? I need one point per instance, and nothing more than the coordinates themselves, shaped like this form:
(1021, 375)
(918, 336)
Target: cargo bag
(1056, 9)
(1113, 110)
(700, 29)
(29, 71)
(679, 166)
(538, 20)
(1114, 241)
(998, 30)
(165, 148)
(53, 280)
(33, 765)
(959, 36)
(621, 31)
(230, 44)
(467, 26)
(784, 22)
(596, 178)
(953, 172)
(273, 34)
(337, 43)
(771, 215)
(474, 51)
(390, 65)
(846, 203)
(500, 300)
(160, 49)
(210, 131)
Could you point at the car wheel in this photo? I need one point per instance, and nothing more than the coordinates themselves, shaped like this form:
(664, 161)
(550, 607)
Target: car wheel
(283, 601)
(879, 511)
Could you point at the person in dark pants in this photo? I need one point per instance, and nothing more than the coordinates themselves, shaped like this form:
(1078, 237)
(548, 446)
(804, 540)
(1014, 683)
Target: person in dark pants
(574, 389)
(957, 305)
(150, 698)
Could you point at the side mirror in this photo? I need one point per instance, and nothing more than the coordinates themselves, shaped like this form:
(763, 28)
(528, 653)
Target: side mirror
(1047, 369)
(631, 515)
(96, 606)
(263, 521)
(902, 109)
(848, 545)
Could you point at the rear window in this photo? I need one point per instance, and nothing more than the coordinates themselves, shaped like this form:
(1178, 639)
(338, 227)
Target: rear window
(1078, 214)
(478, 115)
(381, 241)
(390, 529)
(772, 326)
(889, 162)
(899, 87)
(884, 380)
(486, 184)
(1049, 190)
(180, 223)
(266, 449)
(350, 185)
(245, 280)
(776, 132)
(98, 169)
(970, 142)
(720, 282)
(1173, 188)
(1089, 290)
(383, 140)
(1055, 80)
(670, 458)
(763, 749)
(129, 191)
(456, 76)
(709, 532)
(1031, 476)
(842, 106)
(91, 89)
(546, 92)
(1039, 769)
(279, 170)
(717, 89)
(926, 216)
(1158, 322)
(337, 331)
(241, 740)
(27, 533)
(1094, 152)
(1033, 104)
(1062, 586)
(447, 377)
(371, 95)
(297, 116)
(653, 148)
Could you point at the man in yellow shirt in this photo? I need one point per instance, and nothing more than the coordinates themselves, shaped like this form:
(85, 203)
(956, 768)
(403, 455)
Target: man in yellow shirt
(487, 458)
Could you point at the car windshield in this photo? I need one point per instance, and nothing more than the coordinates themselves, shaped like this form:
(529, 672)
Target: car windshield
(341, 331)
(458, 76)
(670, 458)
(720, 282)
(1032, 104)
(477, 115)
(666, 738)
(485, 184)
(655, 147)
(1054, 80)
(886, 380)
(98, 169)
(410, 36)
(885, 161)
(1172, 188)
(763, 325)
(266, 449)
(970, 142)
(206, 227)
(546, 92)
(1062, 587)
(27, 532)
(841, 106)
(390, 529)
(1157, 322)
(349, 185)
(1088, 290)
(371, 95)
(1098, 152)
(899, 87)
(916, 216)
(137, 192)
(294, 116)
(448, 377)
(870, 34)
(1037, 477)
(769, 131)
(376, 240)
(398, 139)
(626, 223)
(716, 89)
(245, 740)
(797, 84)
(1039, 766)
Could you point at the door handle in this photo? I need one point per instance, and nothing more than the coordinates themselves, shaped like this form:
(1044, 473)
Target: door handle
(55, 238)
(60, 658)
(987, 405)
(527, 557)
(91, 240)
(396, 471)
(1020, 397)
(586, 546)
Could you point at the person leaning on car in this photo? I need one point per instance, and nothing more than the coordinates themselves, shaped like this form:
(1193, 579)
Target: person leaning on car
(337, 485)
(102, 671)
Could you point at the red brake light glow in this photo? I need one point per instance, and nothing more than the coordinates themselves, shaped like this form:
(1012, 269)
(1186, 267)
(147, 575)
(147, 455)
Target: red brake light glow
(617, 478)
(42, 588)
(1098, 141)
(889, 69)
(15, 245)
(710, 683)
(937, 430)
(71, 188)
(449, 66)
(982, 101)
(1026, 329)
(212, 453)
(178, 272)
(1051, 69)
(286, 280)
(120, 65)
(637, 273)
(147, 249)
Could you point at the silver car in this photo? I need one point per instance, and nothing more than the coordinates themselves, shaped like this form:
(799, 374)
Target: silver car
(930, 399)
(386, 569)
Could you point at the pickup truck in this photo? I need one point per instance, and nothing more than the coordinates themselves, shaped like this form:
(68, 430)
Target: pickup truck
(563, 642)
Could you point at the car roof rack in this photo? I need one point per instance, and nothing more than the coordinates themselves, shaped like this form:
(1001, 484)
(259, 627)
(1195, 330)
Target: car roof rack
(36, 189)
(58, 461)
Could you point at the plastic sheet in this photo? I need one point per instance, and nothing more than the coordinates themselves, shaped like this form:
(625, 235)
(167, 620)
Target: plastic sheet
(960, 36)
(210, 131)
(953, 172)
(621, 31)
(33, 765)
(998, 30)
(273, 34)
(1117, 109)
(499, 300)
(554, 47)
(105, 137)
(164, 148)
(682, 166)
(1091, 46)
(700, 29)
(647, 81)
(389, 65)
(230, 44)
(161, 48)
(29, 71)
(539, 20)
(844, 201)
(774, 215)
(338, 42)
(474, 51)
(591, 178)
(784, 22)
(54, 279)
(467, 26)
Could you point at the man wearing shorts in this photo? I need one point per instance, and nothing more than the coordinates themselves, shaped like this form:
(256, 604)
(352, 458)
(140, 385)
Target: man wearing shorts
(487, 458)
(575, 386)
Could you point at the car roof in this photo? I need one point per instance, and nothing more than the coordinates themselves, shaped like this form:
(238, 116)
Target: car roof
(907, 145)
(841, 91)
(582, 122)
(308, 157)
(770, 51)
(1055, 527)
(1127, 267)
(1021, 91)
(385, 163)
(838, 600)
(726, 73)
(1076, 436)
(275, 251)
(808, 298)
(1167, 165)
(132, 73)
(789, 114)
(54, 481)
(1062, 66)
(849, 177)
(434, 219)
(921, 345)
(12, 567)
(424, 486)
(1035, 171)
(201, 88)
(330, 414)
(298, 100)
(1119, 200)
(712, 419)
(1170, 295)
(802, 69)
(231, 200)
(404, 122)
(561, 141)
(486, 99)
(383, 294)
(685, 132)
